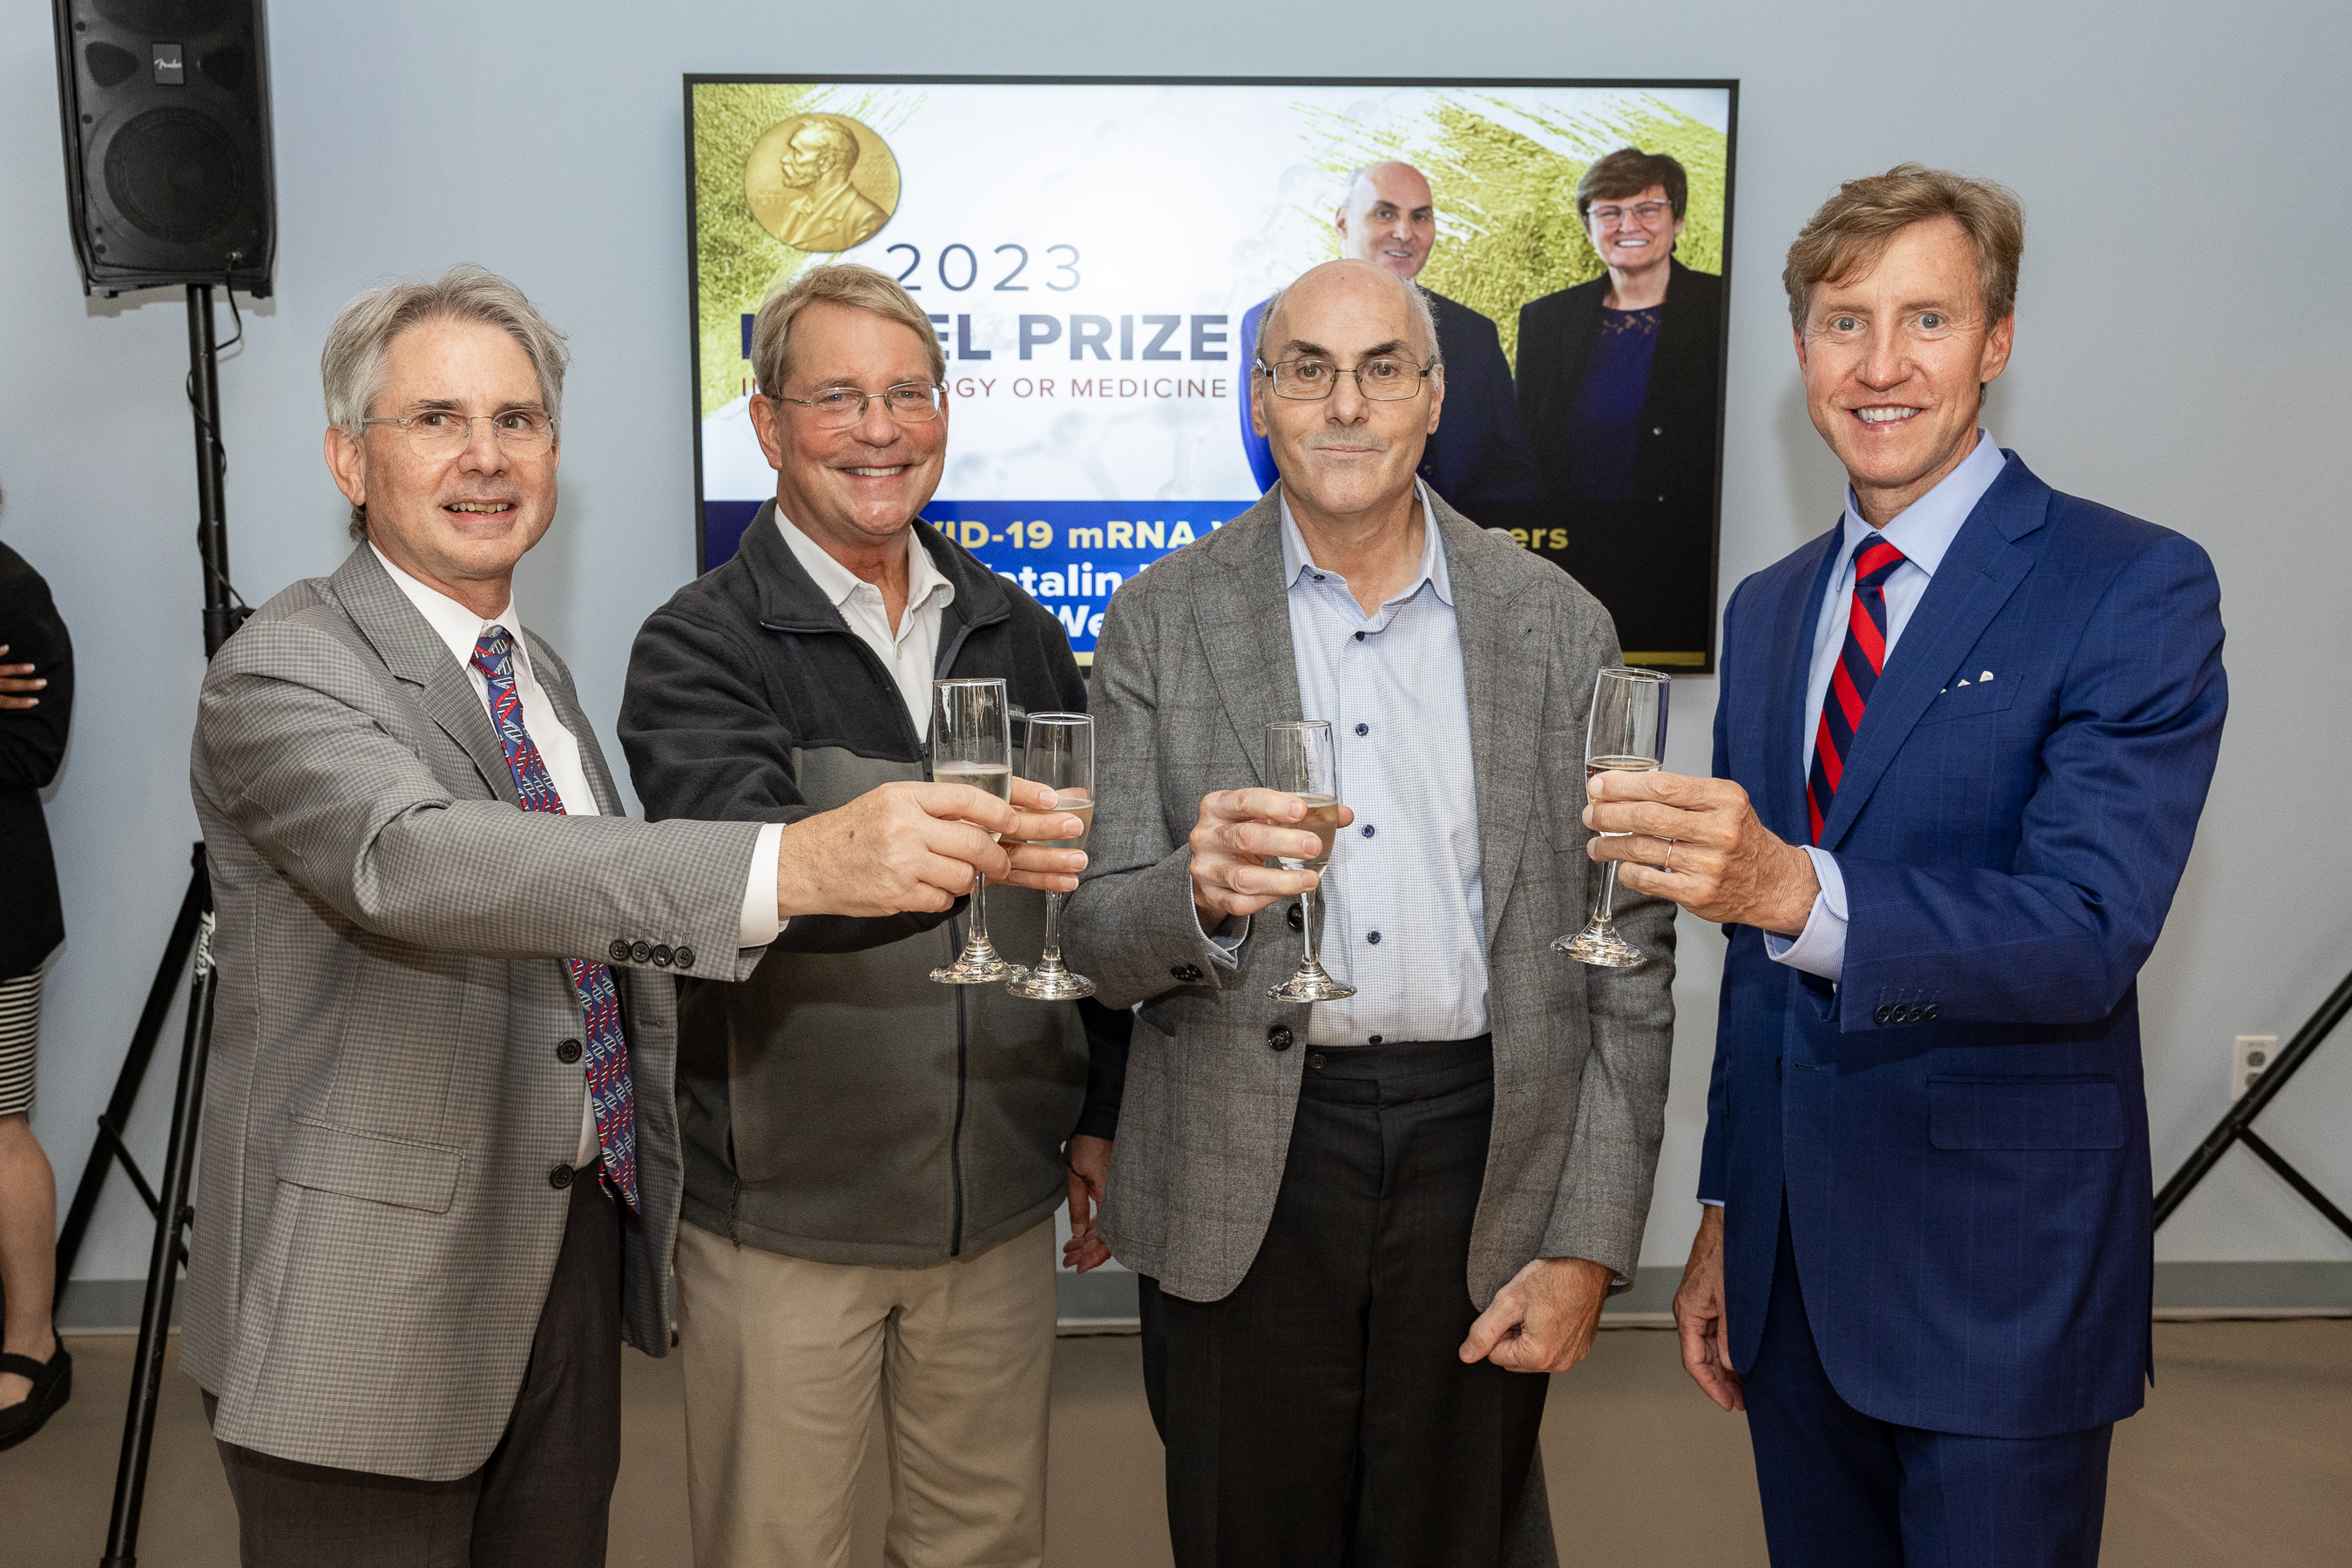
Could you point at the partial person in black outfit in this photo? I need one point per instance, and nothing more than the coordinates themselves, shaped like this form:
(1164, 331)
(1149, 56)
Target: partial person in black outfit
(1619, 390)
(36, 707)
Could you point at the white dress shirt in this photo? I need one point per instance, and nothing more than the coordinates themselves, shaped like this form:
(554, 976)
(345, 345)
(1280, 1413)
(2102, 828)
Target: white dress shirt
(1405, 910)
(460, 629)
(910, 650)
(1923, 530)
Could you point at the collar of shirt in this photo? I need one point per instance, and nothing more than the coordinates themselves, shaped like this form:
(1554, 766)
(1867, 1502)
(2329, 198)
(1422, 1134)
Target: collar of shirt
(1926, 529)
(1923, 530)
(1296, 558)
(458, 627)
(838, 584)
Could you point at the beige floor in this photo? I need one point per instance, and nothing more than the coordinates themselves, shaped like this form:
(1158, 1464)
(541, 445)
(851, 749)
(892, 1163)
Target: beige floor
(2243, 1456)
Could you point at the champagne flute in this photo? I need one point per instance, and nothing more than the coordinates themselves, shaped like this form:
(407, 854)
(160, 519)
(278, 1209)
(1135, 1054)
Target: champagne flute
(1300, 760)
(1061, 756)
(972, 743)
(1626, 733)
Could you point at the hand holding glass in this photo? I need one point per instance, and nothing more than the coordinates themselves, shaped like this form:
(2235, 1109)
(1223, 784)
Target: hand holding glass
(1626, 733)
(1060, 756)
(1301, 760)
(972, 743)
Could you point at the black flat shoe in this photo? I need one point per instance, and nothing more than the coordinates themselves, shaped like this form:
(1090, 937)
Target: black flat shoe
(52, 1386)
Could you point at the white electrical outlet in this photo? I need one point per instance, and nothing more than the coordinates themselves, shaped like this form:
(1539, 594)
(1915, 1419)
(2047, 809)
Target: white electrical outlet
(2249, 1059)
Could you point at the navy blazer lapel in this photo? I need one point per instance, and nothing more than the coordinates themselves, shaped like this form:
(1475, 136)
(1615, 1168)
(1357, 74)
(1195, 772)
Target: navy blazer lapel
(1241, 607)
(418, 657)
(1790, 673)
(1975, 579)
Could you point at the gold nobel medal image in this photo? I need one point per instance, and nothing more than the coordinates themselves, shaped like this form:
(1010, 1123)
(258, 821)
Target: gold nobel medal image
(821, 182)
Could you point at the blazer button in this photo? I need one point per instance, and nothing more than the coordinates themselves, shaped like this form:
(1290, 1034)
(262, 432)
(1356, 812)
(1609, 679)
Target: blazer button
(683, 958)
(662, 956)
(568, 1052)
(1277, 1037)
(1297, 917)
(642, 951)
(619, 951)
(559, 1177)
(1927, 1014)
(1883, 1016)
(1187, 973)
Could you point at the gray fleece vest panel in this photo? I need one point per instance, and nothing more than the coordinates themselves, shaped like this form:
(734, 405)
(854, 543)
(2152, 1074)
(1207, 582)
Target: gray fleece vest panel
(866, 1115)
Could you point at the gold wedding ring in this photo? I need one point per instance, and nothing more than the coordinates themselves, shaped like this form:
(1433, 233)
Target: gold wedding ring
(1669, 864)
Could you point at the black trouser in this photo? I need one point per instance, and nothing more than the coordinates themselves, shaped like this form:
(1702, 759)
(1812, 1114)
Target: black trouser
(1320, 1415)
(544, 1497)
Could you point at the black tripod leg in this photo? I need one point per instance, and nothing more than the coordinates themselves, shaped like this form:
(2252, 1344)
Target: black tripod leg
(108, 1146)
(163, 1266)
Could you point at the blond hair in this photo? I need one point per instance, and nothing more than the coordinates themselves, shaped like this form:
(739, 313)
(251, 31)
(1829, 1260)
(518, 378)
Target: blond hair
(843, 283)
(1852, 229)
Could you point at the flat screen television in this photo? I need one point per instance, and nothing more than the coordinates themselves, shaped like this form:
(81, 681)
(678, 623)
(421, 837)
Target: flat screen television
(1091, 255)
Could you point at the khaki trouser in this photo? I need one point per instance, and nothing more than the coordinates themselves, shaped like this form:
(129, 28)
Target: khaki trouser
(784, 1361)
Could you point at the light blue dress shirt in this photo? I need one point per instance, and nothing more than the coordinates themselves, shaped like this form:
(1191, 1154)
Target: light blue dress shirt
(1405, 910)
(1923, 531)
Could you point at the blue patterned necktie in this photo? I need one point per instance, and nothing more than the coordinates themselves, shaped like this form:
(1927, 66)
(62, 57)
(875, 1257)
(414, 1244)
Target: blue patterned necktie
(607, 1049)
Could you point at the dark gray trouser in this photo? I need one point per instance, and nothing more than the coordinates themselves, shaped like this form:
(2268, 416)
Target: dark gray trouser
(1318, 1415)
(543, 1497)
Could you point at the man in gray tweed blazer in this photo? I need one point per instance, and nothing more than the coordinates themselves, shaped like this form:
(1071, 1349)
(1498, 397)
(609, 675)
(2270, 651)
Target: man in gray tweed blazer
(1322, 1198)
(441, 1166)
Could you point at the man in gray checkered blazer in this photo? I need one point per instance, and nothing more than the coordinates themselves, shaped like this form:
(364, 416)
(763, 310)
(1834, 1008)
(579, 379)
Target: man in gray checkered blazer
(1369, 1226)
(441, 1167)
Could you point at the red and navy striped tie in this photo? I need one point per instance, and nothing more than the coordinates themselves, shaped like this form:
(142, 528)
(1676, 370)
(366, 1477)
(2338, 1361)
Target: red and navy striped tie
(607, 1053)
(1858, 666)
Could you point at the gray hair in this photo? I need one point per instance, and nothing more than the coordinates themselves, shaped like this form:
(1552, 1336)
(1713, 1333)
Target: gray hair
(351, 365)
(1423, 315)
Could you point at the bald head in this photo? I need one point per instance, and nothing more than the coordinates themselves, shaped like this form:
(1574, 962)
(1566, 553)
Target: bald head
(1389, 218)
(1347, 454)
(1356, 290)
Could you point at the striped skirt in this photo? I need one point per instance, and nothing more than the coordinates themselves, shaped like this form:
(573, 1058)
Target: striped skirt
(20, 1026)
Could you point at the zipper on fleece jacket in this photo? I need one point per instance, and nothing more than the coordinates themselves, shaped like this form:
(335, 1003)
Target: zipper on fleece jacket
(955, 1137)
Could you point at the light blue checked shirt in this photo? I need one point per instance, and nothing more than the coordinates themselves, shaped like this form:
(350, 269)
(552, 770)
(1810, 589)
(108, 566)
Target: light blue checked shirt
(1404, 913)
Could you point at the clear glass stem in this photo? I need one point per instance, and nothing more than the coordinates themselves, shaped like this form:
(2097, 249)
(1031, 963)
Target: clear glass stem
(1052, 957)
(1313, 960)
(978, 941)
(1604, 910)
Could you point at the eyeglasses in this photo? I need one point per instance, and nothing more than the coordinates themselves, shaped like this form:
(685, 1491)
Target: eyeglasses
(1645, 214)
(838, 408)
(1383, 380)
(441, 432)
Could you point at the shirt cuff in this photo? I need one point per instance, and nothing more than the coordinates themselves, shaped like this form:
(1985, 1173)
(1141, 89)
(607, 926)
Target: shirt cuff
(759, 924)
(1227, 939)
(1820, 948)
(1712, 1203)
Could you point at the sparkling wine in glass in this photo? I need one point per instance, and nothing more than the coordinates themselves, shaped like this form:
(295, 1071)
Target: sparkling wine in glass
(972, 743)
(1060, 756)
(1626, 733)
(1301, 760)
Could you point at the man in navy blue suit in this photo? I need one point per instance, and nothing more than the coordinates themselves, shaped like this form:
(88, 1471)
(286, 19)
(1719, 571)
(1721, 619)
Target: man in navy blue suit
(1962, 745)
(1478, 458)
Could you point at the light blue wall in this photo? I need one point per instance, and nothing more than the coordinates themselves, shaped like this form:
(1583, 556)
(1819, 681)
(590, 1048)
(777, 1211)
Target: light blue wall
(2181, 355)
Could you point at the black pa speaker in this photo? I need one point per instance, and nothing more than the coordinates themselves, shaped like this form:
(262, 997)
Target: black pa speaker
(166, 106)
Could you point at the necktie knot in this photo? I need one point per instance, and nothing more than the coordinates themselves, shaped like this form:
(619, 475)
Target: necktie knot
(491, 651)
(1874, 561)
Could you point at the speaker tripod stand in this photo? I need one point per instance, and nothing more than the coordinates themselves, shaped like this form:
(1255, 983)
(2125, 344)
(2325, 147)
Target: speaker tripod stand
(191, 938)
